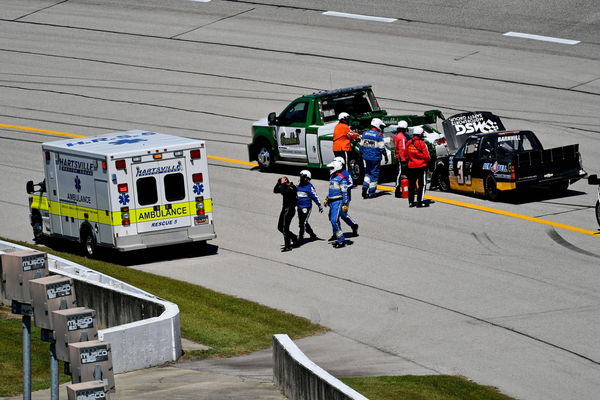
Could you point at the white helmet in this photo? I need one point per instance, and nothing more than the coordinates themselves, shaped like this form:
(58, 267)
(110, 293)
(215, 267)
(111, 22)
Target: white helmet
(335, 166)
(418, 131)
(377, 123)
(402, 124)
(305, 173)
(340, 159)
(343, 115)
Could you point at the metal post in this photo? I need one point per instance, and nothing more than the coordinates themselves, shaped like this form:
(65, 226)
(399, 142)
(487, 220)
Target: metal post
(54, 377)
(26, 322)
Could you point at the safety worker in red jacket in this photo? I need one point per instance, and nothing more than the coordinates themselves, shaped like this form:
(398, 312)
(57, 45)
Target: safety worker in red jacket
(400, 139)
(417, 153)
(342, 137)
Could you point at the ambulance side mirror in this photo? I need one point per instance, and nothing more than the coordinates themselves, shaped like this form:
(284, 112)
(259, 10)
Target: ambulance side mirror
(272, 118)
(593, 180)
(29, 187)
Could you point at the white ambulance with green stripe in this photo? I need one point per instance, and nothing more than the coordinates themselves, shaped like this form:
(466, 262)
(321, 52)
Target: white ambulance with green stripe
(125, 190)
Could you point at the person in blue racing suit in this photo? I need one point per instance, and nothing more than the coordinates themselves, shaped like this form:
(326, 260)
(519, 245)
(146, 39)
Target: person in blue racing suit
(337, 200)
(372, 149)
(306, 196)
(345, 216)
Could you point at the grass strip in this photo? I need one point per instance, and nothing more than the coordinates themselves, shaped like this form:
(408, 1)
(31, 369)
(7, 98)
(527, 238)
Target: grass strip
(429, 387)
(11, 357)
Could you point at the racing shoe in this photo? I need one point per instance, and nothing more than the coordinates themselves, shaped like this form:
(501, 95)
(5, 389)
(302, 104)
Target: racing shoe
(355, 230)
(286, 248)
(314, 237)
(339, 245)
(422, 204)
(332, 238)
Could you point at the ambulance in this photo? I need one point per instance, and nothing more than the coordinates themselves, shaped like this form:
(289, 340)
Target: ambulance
(126, 190)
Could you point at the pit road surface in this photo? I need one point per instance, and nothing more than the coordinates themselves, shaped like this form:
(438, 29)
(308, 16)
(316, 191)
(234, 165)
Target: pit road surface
(504, 301)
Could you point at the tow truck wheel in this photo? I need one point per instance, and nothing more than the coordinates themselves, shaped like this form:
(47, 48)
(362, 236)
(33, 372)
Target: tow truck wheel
(598, 211)
(356, 169)
(491, 190)
(265, 157)
(88, 243)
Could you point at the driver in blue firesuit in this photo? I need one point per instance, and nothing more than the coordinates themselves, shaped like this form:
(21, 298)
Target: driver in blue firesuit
(372, 147)
(345, 216)
(337, 200)
(306, 196)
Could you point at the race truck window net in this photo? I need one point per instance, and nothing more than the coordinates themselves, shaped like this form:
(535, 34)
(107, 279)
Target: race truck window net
(355, 104)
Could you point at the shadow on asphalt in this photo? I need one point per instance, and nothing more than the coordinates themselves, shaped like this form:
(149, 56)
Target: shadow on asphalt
(145, 256)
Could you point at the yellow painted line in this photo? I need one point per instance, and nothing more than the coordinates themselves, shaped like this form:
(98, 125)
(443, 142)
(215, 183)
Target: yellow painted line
(505, 213)
(25, 128)
(390, 189)
(231, 160)
(73, 135)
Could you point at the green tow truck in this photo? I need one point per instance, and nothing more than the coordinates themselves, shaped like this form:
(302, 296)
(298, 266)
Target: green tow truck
(302, 134)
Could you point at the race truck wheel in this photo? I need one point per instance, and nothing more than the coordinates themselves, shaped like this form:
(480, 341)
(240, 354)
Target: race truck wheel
(265, 157)
(440, 176)
(88, 243)
(491, 190)
(598, 212)
(356, 169)
(37, 226)
(560, 187)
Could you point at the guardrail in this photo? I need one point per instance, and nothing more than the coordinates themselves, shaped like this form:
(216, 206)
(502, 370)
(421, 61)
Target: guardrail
(299, 378)
(143, 329)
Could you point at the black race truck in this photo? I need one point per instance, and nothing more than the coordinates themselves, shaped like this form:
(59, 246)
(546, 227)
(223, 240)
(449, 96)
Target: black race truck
(488, 160)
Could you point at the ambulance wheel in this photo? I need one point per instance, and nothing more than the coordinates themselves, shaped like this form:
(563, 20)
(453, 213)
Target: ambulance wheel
(356, 169)
(88, 243)
(38, 229)
(265, 157)
(491, 189)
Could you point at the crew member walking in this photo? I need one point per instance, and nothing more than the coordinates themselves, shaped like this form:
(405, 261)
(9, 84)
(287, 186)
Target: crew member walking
(288, 209)
(418, 157)
(342, 136)
(306, 196)
(344, 216)
(400, 139)
(337, 200)
(372, 148)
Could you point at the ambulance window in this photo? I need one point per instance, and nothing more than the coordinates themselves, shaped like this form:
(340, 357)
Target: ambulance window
(174, 187)
(146, 191)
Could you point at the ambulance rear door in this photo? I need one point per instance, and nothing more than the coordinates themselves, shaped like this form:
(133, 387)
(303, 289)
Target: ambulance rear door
(161, 198)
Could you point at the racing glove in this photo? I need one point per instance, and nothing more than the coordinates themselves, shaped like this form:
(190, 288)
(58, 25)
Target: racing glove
(321, 209)
(345, 208)
(325, 203)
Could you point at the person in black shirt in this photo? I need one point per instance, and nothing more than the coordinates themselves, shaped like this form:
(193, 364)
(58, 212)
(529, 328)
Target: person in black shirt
(288, 210)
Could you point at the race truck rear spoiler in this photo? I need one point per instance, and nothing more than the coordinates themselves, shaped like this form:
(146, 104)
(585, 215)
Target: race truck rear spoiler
(459, 127)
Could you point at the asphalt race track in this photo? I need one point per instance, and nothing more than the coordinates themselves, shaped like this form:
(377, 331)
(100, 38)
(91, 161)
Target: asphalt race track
(505, 301)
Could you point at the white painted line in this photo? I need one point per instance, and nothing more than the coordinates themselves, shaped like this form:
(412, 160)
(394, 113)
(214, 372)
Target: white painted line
(543, 38)
(359, 16)
(201, 1)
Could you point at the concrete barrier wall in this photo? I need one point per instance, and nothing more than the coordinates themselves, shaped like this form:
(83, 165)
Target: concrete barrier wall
(143, 330)
(299, 378)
